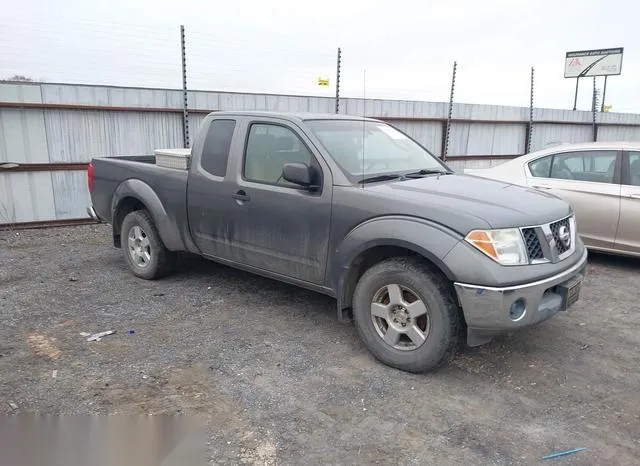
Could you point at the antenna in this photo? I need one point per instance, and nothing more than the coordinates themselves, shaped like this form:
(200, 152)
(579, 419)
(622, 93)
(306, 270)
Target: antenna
(364, 116)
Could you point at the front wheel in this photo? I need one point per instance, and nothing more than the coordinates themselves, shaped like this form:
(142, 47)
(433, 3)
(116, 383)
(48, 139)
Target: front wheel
(143, 248)
(406, 315)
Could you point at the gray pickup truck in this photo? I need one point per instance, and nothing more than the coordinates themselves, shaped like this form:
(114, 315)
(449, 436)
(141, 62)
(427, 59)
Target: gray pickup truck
(420, 258)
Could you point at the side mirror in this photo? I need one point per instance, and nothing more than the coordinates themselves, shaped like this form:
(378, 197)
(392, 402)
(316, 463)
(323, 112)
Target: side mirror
(299, 173)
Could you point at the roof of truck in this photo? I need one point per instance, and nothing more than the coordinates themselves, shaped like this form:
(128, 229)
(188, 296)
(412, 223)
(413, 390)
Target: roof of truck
(297, 116)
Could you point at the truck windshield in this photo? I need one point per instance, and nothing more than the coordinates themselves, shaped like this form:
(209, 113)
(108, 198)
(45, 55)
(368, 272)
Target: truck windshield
(366, 148)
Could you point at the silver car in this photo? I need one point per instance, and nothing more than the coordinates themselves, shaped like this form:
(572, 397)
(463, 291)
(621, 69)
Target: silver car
(601, 180)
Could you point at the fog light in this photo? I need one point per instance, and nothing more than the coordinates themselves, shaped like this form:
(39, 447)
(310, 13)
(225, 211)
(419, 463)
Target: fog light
(518, 309)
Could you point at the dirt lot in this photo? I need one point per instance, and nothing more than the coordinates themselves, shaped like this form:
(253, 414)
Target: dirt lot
(280, 381)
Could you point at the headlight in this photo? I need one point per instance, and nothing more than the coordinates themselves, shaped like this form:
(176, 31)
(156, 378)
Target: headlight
(505, 246)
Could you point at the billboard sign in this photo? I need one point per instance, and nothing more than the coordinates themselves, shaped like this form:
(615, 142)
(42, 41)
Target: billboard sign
(601, 62)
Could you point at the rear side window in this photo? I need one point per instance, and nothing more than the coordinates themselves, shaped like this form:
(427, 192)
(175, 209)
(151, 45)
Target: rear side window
(593, 166)
(634, 168)
(540, 168)
(215, 152)
(597, 166)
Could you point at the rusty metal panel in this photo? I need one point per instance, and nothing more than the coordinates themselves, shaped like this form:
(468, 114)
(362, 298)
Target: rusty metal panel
(625, 118)
(427, 134)
(486, 139)
(26, 197)
(552, 114)
(22, 93)
(111, 96)
(23, 138)
(70, 193)
(383, 108)
(358, 107)
(62, 136)
(321, 105)
(203, 100)
(548, 135)
(195, 121)
(490, 112)
(78, 135)
(618, 133)
(430, 110)
(236, 101)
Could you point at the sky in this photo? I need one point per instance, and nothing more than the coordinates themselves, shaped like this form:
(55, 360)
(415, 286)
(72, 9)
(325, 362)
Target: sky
(390, 49)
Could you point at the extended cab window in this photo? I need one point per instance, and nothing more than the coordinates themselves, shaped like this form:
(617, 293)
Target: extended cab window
(595, 166)
(269, 147)
(215, 152)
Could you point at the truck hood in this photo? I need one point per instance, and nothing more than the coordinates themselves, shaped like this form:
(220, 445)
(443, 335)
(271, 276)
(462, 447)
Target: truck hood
(491, 203)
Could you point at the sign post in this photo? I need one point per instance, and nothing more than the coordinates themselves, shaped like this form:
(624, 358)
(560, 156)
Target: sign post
(604, 93)
(600, 62)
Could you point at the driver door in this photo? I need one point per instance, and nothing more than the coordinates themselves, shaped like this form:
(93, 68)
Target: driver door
(590, 181)
(274, 225)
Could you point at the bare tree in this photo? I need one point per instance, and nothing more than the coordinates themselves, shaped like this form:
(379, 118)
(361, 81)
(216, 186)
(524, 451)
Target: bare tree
(18, 78)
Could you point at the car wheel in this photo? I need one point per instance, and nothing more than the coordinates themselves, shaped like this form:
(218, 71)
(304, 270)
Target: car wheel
(406, 315)
(143, 249)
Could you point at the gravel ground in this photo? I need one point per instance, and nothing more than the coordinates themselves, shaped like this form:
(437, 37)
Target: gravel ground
(280, 381)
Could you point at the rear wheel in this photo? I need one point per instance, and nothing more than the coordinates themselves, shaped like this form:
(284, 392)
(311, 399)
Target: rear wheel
(406, 315)
(143, 249)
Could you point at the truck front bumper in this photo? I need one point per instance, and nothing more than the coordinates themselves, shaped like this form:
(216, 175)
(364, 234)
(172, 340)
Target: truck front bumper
(489, 311)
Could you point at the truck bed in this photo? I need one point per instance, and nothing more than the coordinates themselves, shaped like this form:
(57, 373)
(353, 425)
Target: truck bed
(134, 158)
(116, 173)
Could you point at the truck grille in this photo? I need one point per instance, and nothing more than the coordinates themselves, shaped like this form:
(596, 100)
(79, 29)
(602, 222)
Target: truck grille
(556, 230)
(550, 242)
(534, 249)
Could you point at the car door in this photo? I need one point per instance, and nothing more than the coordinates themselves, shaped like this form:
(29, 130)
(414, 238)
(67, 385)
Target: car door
(590, 181)
(208, 188)
(628, 237)
(275, 225)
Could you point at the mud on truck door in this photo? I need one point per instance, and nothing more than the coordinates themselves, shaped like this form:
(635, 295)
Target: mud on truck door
(277, 225)
(265, 221)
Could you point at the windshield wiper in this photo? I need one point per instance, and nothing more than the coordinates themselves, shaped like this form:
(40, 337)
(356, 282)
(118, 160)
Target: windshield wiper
(386, 177)
(428, 171)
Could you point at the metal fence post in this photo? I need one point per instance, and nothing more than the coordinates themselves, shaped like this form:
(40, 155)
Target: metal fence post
(338, 65)
(445, 149)
(529, 134)
(185, 108)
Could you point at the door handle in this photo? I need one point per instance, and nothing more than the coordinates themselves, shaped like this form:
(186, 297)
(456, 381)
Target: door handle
(541, 186)
(241, 196)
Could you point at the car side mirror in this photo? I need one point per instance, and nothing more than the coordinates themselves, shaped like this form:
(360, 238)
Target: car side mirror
(300, 174)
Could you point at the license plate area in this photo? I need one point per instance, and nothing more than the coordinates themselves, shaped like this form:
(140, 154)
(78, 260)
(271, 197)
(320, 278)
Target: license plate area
(570, 292)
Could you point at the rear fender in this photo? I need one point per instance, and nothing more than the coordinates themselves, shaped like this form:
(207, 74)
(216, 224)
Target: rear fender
(137, 189)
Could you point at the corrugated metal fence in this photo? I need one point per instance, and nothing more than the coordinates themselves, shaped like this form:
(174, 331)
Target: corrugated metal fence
(49, 132)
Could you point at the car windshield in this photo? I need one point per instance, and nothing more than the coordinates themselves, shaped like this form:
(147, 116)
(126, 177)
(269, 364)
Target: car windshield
(368, 148)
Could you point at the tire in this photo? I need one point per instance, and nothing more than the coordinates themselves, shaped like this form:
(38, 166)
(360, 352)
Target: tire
(384, 295)
(150, 259)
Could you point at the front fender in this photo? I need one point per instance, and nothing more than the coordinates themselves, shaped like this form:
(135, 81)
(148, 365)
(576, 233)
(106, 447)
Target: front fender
(137, 189)
(428, 239)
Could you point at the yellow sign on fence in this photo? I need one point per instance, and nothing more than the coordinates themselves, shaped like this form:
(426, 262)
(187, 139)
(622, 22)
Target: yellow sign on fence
(323, 81)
